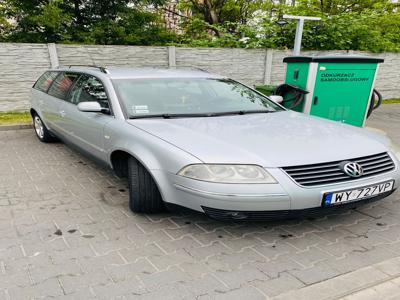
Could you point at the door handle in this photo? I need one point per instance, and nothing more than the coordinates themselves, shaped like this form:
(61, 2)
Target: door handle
(315, 100)
(62, 113)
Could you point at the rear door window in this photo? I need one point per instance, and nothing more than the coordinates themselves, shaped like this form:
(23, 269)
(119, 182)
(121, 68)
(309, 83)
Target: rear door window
(62, 84)
(45, 81)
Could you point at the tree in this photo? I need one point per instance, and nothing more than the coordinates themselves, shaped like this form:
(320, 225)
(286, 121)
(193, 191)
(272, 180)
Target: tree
(335, 7)
(86, 21)
(5, 26)
(215, 15)
(346, 24)
(351, 24)
(35, 20)
(216, 12)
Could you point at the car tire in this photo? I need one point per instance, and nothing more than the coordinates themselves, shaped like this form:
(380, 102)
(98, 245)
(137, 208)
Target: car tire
(42, 133)
(144, 196)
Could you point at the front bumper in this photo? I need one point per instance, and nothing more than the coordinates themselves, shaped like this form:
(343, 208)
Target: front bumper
(271, 215)
(286, 198)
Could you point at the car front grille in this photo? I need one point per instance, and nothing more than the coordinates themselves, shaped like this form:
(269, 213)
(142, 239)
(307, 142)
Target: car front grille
(328, 173)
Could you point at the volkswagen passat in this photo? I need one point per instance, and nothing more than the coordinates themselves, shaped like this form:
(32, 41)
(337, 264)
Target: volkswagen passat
(211, 144)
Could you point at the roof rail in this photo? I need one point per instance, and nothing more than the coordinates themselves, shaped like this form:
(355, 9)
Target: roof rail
(102, 69)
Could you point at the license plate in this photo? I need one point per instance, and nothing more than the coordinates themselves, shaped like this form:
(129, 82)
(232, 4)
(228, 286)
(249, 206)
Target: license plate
(336, 198)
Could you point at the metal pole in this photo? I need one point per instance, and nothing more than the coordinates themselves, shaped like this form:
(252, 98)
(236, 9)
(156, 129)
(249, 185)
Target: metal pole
(299, 34)
(299, 30)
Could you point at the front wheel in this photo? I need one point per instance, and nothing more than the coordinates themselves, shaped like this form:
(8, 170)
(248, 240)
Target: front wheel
(144, 196)
(41, 131)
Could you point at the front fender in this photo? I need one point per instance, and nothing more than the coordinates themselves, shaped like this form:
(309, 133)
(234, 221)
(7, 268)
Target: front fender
(153, 152)
(34, 97)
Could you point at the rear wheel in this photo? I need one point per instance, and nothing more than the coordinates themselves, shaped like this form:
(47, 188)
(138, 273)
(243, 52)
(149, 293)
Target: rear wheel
(41, 131)
(144, 196)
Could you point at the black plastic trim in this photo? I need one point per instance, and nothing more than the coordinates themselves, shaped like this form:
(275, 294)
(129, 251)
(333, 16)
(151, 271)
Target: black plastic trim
(334, 59)
(320, 211)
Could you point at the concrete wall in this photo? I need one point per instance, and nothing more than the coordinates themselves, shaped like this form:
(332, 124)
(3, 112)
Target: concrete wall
(21, 64)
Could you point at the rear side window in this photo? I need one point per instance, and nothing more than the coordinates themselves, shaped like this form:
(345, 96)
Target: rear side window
(62, 84)
(45, 81)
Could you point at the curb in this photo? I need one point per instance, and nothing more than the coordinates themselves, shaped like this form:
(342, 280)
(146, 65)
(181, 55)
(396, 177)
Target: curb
(15, 127)
(349, 285)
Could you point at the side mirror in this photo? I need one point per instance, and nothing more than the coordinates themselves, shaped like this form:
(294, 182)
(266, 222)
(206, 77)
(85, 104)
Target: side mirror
(90, 106)
(276, 98)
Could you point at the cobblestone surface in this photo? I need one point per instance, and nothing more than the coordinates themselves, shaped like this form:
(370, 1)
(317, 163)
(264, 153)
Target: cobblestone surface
(378, 281)
(66, 232)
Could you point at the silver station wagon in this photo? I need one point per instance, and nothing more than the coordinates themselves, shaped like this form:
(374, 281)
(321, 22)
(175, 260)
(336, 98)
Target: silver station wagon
(188, 138)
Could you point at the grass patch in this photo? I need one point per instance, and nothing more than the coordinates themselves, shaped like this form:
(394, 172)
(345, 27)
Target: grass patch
(391, 101)
(15, 118)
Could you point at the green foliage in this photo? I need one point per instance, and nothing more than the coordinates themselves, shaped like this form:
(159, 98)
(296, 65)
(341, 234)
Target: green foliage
(50, 22)
(85, 21)
(370, 25)
(5, 27)
(130, 27)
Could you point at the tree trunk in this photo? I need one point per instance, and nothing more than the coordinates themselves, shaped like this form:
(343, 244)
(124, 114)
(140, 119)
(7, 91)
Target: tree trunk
(77, 13)
(212, 14)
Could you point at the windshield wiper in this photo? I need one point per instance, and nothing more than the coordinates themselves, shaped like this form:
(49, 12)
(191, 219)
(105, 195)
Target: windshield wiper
(169, 116)
(197, 115)
(241, 112)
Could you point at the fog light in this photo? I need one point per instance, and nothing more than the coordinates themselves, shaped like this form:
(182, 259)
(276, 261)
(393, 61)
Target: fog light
(236, 215)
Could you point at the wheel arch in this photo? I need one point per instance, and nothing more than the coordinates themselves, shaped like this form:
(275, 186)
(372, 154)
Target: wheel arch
(33, 112)
(119, 158)
(119, 163)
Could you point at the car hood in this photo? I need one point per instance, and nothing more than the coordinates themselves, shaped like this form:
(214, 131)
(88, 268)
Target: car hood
(271, 140)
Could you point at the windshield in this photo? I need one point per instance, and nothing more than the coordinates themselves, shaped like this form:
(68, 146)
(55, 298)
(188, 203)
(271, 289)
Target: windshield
(186, 97)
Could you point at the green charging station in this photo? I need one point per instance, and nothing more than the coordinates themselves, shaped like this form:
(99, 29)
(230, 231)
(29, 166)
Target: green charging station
(339, 88)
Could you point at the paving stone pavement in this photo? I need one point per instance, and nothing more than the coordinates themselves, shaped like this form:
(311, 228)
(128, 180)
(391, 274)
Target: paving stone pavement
(378, 281)
(66, 232)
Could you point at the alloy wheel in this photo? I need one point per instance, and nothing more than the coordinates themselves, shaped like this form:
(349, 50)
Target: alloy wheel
(38, 127)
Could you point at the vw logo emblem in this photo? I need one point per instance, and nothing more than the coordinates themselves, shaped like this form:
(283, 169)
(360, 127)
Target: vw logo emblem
(352, 169)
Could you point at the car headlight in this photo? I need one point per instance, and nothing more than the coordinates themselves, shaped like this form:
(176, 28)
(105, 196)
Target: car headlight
(395, 149)
(227, 173)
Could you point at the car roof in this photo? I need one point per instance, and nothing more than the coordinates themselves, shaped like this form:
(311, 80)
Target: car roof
(141, 72)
